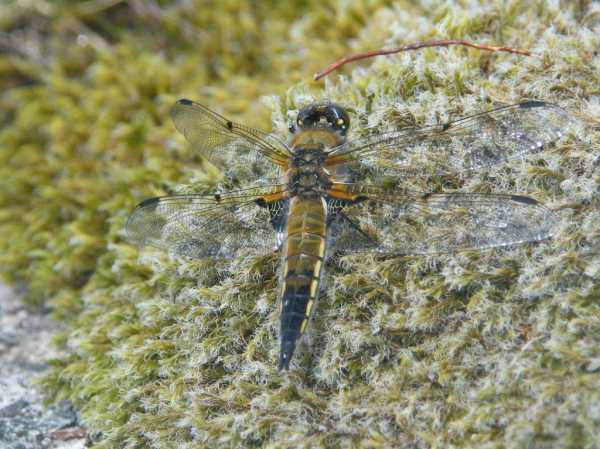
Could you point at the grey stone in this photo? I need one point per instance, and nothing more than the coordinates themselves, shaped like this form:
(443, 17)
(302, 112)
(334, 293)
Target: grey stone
(14, 408)
(25, 423)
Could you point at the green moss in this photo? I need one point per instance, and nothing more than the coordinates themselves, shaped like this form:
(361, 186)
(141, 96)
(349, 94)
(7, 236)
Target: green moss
(491, 349)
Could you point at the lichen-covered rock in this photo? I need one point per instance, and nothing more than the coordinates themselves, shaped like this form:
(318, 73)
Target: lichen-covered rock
(492, 349)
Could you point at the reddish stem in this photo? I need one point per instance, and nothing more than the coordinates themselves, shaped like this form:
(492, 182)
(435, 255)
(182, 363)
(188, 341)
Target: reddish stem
(437, 43)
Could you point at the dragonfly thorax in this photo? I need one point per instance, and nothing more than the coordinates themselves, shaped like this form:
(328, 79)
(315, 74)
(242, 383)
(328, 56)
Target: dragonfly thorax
(306, 175)
(310, 157)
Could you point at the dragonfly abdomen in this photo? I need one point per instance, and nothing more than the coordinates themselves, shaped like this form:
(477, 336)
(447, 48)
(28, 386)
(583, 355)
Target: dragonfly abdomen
(303, 256)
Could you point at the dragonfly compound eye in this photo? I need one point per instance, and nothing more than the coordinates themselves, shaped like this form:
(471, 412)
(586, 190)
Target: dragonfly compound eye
(324, 115)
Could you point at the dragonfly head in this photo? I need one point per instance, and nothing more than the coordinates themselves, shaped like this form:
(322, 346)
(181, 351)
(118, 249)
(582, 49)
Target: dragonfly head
(322, 115)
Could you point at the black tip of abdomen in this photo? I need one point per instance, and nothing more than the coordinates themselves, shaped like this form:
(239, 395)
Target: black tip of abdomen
(284, 362)
(287, 351)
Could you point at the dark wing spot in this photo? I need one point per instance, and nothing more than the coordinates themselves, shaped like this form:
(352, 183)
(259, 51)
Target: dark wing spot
(217, 197)
(230, 125)
(523, 199)
(445, 126)
(261, 202)
(532, 104)
(185, 101)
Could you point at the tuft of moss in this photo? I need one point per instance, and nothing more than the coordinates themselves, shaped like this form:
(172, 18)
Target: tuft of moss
(480, 349)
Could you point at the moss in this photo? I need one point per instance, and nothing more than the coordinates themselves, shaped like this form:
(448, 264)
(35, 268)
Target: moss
(491, 349)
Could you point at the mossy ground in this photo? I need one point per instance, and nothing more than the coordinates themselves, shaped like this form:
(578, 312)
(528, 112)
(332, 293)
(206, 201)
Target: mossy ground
(499, 349)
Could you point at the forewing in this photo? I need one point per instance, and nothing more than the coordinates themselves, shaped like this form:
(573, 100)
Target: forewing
(413, 223)
(467, 144)
(213, 133)
(200, 226)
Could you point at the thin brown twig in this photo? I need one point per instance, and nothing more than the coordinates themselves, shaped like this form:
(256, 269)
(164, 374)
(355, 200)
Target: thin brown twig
(69, 433)
(437, 43)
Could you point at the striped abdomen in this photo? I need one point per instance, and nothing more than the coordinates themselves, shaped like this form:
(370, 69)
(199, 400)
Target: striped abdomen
(303, 257)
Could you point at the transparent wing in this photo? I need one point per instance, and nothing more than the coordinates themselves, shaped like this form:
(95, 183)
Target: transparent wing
(218, 225)
(411, 223)
(210, 132)
(471, 143)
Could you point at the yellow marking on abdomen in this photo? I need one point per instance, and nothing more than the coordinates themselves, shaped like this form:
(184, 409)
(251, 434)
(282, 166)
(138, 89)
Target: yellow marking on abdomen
(313, 288)
(303, 325)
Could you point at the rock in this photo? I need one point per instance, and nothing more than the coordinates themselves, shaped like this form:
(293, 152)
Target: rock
(14, 408)
(24, 348)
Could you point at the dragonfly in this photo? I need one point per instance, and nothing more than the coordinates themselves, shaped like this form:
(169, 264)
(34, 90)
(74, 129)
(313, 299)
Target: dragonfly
(334, 195)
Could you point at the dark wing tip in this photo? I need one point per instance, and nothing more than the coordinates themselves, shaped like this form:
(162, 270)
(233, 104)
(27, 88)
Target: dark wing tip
(185, 102)
(523, 199)
(131, 227)
(532, 104)
(149, 202)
